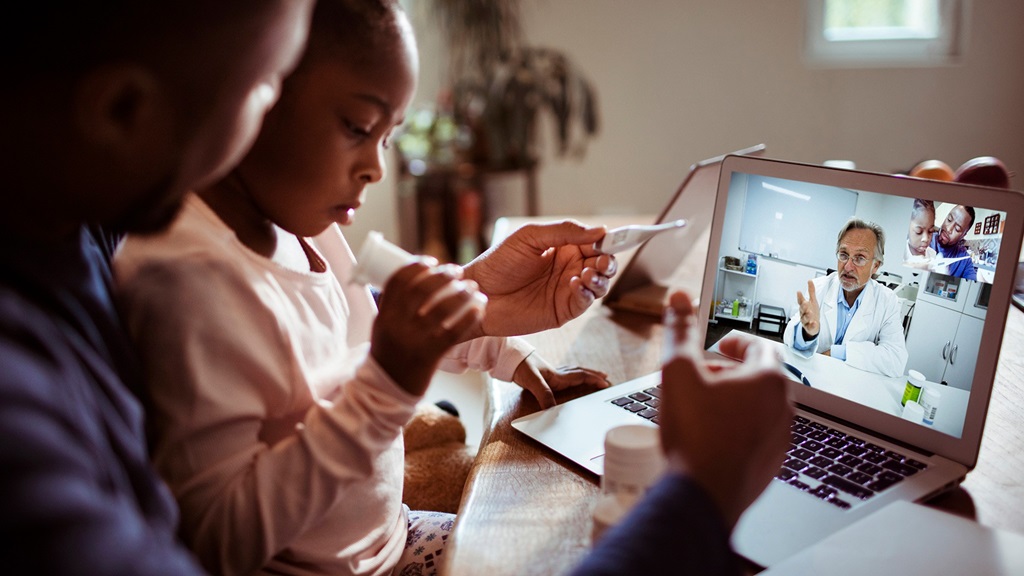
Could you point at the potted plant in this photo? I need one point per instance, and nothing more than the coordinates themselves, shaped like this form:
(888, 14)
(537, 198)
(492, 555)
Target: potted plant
(500, 87)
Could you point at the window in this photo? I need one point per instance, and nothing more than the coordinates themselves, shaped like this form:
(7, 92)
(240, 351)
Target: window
(867, 33)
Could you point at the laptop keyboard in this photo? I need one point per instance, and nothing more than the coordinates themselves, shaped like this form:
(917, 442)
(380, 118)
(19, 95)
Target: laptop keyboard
(644, 404)
(841, 469)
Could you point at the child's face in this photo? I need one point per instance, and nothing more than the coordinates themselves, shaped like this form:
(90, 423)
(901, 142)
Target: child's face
(920, 233)
(326, 139)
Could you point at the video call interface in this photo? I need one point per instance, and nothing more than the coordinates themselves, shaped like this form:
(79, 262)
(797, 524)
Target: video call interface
(917, 315)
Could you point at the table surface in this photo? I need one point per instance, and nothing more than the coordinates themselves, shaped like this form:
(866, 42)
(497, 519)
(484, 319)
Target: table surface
(527, 510)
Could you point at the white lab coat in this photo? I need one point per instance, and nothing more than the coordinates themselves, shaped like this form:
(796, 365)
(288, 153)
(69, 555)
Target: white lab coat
(874, 339)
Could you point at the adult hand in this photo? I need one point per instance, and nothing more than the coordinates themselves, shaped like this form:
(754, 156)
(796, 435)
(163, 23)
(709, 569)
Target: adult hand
(541, 276)
(809, 311)
(725, 424)
(543, 380)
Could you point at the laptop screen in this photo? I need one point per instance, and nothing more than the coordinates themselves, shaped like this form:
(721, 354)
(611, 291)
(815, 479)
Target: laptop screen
(896, 285)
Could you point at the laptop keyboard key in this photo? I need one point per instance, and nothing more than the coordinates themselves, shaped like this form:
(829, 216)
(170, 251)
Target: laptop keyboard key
(879, 485)
(899, 468)
(849, 460)
(816, 473)
(855, 449)
(640, 396)
(859, 477)
(915, 464)
(840, 502)
(795, 464)
(802, 454)
(874, 457)
(830, 453)
(869, 468)
(851, 488)
(812, 445)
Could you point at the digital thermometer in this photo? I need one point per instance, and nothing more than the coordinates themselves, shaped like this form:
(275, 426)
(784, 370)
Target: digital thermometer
(622, 239)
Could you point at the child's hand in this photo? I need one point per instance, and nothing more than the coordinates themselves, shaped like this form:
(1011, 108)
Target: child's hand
(543, 380)
(423, 312)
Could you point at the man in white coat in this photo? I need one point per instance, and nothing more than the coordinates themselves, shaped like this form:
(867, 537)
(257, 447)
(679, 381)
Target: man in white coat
(859, 324)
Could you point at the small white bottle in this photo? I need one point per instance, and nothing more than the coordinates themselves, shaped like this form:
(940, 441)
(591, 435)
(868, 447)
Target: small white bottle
(378, 259)
(633, 462)
(930, 398)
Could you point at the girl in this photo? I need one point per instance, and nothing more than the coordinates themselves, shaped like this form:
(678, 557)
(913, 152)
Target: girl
(919, 234)
(278, 392)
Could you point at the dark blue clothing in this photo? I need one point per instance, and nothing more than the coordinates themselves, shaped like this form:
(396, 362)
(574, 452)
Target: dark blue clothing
(961, 268)
(676, 529)
(77, 493)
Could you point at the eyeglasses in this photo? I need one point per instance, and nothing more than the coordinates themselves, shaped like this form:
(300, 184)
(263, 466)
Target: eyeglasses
(858, 260)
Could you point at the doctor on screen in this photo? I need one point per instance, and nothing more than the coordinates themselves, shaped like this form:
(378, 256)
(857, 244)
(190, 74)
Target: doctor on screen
(847, 314)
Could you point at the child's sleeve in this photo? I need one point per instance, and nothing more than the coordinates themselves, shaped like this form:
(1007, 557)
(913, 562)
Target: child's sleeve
(498, 355)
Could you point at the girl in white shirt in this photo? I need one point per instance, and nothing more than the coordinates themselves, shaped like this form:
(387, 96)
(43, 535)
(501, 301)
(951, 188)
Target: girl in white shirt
(277, 390)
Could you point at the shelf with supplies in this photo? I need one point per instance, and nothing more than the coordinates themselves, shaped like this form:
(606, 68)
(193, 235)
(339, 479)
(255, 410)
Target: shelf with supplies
(736, 290)
(449, 211)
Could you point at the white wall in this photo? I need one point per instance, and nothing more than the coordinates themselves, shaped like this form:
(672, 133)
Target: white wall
(679, 81)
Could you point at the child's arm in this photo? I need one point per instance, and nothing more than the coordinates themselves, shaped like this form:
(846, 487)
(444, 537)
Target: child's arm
(515, 360)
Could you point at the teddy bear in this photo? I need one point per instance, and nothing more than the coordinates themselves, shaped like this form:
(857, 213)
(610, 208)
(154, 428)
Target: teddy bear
(437, 459)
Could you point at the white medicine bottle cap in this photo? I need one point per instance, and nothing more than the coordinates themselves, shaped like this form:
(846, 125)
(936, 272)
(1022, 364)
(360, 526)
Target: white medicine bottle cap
(378, 259)
(916, 378)
(633, 459)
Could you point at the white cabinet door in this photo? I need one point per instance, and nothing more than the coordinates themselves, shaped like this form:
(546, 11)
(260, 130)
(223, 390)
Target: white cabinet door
(930, 339)
(963, 357)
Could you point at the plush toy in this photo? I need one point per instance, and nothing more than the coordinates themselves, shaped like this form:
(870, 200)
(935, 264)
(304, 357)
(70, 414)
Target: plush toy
(437, 460)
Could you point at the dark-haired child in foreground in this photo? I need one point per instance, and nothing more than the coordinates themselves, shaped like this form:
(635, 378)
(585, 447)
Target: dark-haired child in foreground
(278, 390)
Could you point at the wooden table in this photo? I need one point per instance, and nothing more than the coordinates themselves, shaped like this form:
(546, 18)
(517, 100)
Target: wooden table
(526, 510)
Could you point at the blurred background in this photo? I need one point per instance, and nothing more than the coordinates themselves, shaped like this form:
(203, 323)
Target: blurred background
(642, 90)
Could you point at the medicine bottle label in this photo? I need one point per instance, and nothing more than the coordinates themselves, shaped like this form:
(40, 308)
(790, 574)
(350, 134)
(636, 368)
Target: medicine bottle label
(911, 392)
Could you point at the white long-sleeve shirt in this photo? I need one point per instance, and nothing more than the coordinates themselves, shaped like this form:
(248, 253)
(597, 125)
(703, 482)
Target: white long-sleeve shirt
(278, 433)
(874, 339)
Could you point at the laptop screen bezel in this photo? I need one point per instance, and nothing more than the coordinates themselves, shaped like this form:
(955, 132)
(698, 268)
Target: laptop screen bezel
(965, 448)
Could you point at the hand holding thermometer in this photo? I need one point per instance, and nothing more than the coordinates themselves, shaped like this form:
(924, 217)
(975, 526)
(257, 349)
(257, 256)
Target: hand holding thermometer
(622, 239)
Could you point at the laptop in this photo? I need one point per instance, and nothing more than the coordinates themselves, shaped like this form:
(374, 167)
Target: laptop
(788, 215)
(643, 285)
(656, 267)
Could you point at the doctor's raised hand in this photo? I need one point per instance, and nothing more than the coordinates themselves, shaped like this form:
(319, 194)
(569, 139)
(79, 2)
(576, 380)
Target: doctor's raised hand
(541, 276)
(810, 312)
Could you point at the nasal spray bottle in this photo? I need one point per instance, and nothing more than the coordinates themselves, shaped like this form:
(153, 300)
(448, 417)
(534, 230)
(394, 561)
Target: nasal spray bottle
(379, 259)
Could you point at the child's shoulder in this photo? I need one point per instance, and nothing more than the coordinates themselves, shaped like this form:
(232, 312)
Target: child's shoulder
(195, 237)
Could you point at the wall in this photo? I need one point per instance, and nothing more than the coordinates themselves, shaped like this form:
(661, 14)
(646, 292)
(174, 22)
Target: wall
(680, 81)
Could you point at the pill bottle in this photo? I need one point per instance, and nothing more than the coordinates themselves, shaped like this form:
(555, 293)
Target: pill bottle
(378, 259)
(913, 412)
(929, 400)
(912, 391)
(633, 462)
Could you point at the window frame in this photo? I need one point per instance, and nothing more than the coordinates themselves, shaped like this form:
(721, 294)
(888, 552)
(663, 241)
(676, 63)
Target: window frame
(946, 49)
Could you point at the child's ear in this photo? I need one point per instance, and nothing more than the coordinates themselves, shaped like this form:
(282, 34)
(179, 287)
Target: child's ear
(115, 106)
